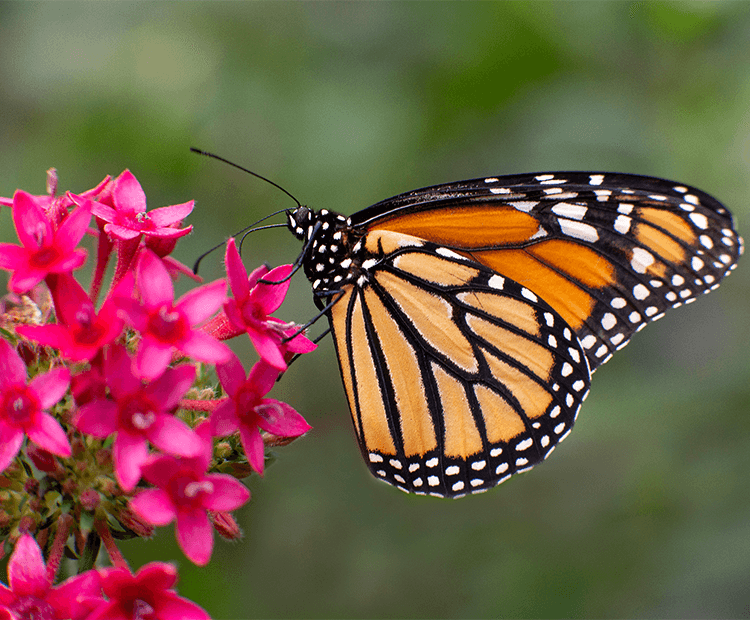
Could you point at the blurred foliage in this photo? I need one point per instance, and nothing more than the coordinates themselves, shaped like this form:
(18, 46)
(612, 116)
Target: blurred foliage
(645, 509)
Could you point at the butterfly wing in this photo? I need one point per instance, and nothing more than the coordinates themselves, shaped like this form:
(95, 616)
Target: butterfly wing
(609, 252)
(456, 376)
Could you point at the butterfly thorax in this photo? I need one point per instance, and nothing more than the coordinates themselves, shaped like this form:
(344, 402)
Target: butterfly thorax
(332, 257)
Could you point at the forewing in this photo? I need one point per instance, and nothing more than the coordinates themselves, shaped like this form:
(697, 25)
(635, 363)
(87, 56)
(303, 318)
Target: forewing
(609, 252)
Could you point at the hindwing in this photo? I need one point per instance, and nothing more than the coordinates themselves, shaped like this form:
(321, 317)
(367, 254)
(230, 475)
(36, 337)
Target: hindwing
(457, 377)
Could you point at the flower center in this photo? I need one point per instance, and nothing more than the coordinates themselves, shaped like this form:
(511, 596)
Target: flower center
(193, 489)
(18, 405)
(44, 257)
(32, 608)
(168, 325)
(141, 610)
(138, 413)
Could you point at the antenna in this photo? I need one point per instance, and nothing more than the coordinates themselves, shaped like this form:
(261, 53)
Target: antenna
(255, 174)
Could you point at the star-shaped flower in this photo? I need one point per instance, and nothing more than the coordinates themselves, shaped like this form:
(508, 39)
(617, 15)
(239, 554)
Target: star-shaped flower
(81, 332)
(126, 216)
(139, 414)
(185, 492)
(165, 324)
(22, 407)
(31, 594)
(147, 594)
(43, 249)
(254, 301)
(246, 410)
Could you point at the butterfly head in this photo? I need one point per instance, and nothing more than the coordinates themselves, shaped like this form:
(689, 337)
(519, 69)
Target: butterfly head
(300, 221)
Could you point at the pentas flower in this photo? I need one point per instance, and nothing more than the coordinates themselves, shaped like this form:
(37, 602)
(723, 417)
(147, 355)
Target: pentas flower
(123, 208)
(185, 493)
(254, 301)
(31, 595)
(81, 332)
(43, 250)
(246, 410)
(22, 407)
(139, 414)
(165, 324)
(147, 595)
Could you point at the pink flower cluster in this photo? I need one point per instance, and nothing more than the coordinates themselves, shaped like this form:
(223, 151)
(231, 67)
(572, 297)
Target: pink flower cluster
(96, 399)
(109, 593)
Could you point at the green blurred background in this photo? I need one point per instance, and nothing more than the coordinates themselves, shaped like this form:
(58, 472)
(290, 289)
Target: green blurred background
(645, 509)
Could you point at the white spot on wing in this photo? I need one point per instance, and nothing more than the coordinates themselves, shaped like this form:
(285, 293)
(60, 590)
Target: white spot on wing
(574, 212)
(642, 260)
(578, 230)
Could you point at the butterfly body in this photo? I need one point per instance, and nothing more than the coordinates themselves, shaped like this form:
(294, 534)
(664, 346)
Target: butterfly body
(468, 317)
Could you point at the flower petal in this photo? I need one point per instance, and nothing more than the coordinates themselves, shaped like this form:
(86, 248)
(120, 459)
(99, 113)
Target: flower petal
(252, 442)
(48, 434)
(173, 607)
(172, 435)
(168, 389)
(152, 358)
(12, 257)
(228, 494)
(224, 420)
(51, 386)
(154, 281)
(27, 575)
(77, 596)
(270, 296)
(73, 228)
(173, 214)
(130, 453)
(201, 303)
(33, 227)
(10, 443)
(154, 506)
(269, 348)
(128, 195)
(121, 232)
(236, 272)
(231, 374)
(280, 419)
(195, 536)
(263, 377)
(205, 348)
(97, 418)
(119, 372)
(12, 368)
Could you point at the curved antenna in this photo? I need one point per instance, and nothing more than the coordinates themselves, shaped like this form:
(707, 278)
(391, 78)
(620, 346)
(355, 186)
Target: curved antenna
(239, 232)
(255, 174)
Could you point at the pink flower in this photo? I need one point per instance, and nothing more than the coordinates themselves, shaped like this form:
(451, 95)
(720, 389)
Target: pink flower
(127, 217)
(186, 493)
(252, 304)
(43, 250)
(80, 333)
(139, 414)
(246, 410)
(32, 596)
(149, 594)
(22, 407)
(164, 323)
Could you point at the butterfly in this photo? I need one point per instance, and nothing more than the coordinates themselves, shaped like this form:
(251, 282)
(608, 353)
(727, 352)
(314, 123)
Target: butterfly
(468, 317)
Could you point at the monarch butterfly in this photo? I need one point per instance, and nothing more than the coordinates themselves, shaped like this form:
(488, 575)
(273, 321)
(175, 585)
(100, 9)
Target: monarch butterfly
(468, 317)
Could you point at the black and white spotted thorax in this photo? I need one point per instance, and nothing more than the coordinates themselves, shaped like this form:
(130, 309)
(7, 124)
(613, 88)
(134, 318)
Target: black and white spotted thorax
(334, 255)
